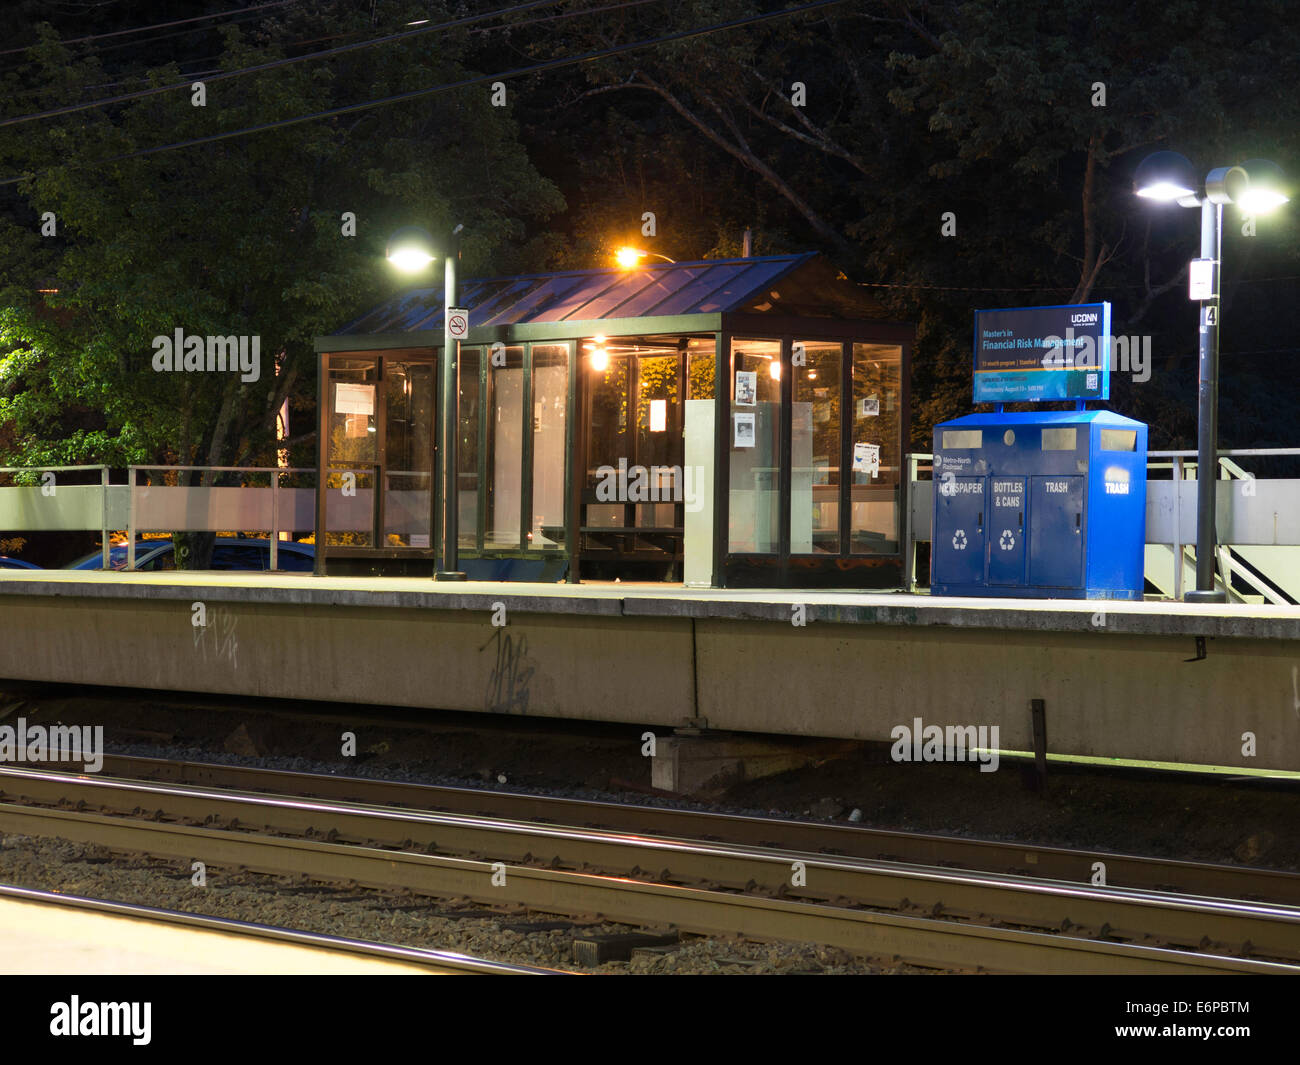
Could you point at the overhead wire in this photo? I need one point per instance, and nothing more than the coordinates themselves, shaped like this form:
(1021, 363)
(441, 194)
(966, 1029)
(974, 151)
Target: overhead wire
(535, 68)
(160, 25)
(278, 63)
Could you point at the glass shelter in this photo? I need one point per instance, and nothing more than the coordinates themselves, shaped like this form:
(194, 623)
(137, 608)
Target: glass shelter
(731, 422)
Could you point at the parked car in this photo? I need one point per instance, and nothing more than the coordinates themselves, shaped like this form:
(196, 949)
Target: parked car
(229, 553)
(16, 563)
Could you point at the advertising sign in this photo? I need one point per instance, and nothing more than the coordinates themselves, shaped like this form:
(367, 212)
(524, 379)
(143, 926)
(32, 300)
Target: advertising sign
(1037, 354)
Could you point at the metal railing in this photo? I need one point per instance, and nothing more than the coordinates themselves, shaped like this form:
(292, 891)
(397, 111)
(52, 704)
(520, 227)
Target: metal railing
(1230, 562)
(32, 508)
(136, 508)
(199, 508)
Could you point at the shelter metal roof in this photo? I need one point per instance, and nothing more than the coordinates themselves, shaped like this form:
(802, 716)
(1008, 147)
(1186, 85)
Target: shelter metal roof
(709, 286)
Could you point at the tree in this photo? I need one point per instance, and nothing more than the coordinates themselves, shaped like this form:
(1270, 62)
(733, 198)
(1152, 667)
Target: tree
(862, 129)
(245, 237)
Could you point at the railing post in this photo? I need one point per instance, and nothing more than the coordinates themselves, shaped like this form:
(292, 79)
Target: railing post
(1226, 472)
(103, 515)
(130, 519)
(275, 520)
(1178, 528)
(909, 545)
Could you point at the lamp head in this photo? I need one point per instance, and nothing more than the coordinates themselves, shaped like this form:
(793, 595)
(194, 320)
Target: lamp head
(1267, 189)
(1165, 177)
(410, 249)
(1226, 184)
(627, 258)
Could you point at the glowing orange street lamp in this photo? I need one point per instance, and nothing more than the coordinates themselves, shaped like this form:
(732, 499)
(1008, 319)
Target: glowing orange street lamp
(627, 258)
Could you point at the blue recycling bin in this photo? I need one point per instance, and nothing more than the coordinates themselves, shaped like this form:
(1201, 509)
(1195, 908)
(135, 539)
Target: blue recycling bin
(1045, 504)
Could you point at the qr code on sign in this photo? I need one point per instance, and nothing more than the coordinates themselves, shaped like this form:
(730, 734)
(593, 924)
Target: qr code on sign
(1090, 381)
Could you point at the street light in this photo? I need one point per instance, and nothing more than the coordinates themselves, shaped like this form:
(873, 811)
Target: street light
(627, 258)
(1255, 187)
(411, 249)
(1266, 191)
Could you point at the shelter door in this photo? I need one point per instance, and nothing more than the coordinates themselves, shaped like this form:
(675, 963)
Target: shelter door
(351, 420)
(379, 468)
(407, 456)
(633, 507)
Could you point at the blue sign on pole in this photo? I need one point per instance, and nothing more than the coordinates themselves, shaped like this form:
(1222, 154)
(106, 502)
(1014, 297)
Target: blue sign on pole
(1036, 354)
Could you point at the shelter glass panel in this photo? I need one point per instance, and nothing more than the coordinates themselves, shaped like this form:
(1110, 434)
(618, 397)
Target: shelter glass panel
(505, 450)
(550, 402)
(701, 361)
(467, 448)
(815, 448)
(610, 436)
(352, 462)
(659, 437)
(755, 438)
(408, 454)
(876, 460)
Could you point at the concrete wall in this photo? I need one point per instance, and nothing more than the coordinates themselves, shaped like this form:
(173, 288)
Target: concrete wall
(1121, 688)
(1116, 696)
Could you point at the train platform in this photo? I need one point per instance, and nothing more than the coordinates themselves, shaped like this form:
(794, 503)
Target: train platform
(41, 938)
(1153, 681)
(606, 599)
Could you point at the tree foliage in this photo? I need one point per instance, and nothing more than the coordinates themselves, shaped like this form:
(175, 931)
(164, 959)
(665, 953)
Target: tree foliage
(240, 237)
(855, 129)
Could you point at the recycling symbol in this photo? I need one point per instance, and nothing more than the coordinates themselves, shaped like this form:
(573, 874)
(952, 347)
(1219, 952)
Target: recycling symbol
(959, 540)
(1007, 540)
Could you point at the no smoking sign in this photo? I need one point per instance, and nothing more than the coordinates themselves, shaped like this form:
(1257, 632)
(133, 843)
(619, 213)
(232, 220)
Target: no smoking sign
(458, 323)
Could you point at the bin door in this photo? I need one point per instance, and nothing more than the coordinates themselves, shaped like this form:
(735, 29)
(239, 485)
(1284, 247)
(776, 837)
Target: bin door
(1056, 532)
(1006, 530)
(958, 550)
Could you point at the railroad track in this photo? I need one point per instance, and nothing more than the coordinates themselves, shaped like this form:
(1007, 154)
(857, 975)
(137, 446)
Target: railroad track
(921, 915)
(432, 961)
(841, 840)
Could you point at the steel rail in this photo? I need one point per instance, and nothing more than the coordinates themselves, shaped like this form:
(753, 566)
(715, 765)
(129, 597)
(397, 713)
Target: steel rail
(434, 960)
(854, 841)
(916, 940)
(1221, 926)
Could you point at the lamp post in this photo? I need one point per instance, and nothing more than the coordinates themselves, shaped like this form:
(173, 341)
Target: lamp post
(411, 249)
(1168, 177)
